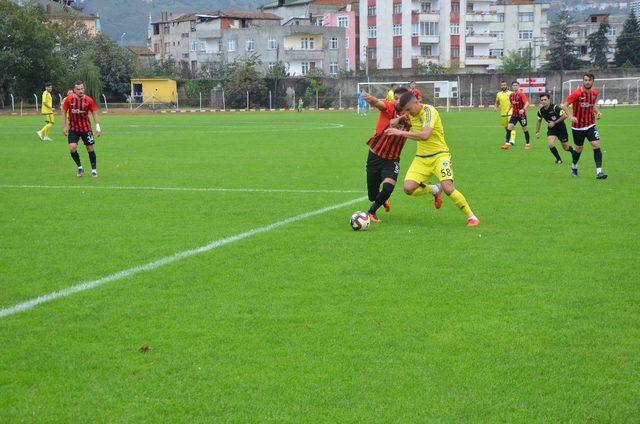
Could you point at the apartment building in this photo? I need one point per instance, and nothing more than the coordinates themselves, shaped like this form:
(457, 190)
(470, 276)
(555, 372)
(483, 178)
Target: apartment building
(468, 34)
(634, 7)
(580, 32)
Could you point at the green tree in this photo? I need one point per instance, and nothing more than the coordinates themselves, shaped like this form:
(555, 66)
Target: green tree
(562, 52)
(628, 43)
(598, 45)
(117, 65)
(89, 74)
(243, 77)
(515, 63)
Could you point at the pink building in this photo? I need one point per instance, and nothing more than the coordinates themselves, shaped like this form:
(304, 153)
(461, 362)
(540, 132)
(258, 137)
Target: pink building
(345, 19)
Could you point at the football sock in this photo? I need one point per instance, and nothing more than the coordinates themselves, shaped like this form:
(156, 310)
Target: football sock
(598, 170)
(76, 158)
(383, 196)
(555, 153)
(45, 130)
(509, 136)
(597, 157)
(512, 138)
(526, 137)
(425, 189)
(461, 203)
(92, 159)
(576, 158)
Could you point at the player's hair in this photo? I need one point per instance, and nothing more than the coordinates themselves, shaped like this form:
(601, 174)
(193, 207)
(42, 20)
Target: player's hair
(515, 82)
(545, 95)
(591, 76)
(400, 90)
(47, 84)
(405, 99)
(503, 82)
(394, 85)
(78, 83)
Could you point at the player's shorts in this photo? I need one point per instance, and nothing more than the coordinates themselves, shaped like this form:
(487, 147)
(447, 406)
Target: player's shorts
(384, 168)
(522, 119)
(504, 120)
(49, 118)
(559, 131)
(422, 169)
(87, 137)
(590, 134)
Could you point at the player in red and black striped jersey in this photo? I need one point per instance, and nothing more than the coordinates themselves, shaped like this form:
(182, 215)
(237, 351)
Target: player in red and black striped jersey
(583, 102)
(383, 161)
(77, 108)
(519, 104)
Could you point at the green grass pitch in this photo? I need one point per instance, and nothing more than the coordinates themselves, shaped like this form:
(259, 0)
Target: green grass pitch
(532, 316)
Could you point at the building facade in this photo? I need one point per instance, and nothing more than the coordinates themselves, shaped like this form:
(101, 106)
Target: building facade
(466, 34)
(634, 7)
(580, 32)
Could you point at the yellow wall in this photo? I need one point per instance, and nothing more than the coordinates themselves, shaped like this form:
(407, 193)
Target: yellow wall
(158, 90)
(293, 42)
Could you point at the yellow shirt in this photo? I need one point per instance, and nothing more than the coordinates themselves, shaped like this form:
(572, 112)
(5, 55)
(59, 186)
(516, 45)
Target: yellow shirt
(391, 96)
(47, 100)
(430, 117)
(503, 99)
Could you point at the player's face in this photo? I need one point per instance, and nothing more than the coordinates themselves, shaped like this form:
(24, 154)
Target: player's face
(515, 87)
(545, 101)
(49, 88)
(413, 107)
(587, 82)
(79, 90)
(504, 86)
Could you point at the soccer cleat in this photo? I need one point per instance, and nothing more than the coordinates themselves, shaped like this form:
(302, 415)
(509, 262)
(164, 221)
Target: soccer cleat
(559, 162)
(387, 206)
(80, 172)
(601, 176)
(574, 172)
(94, 174)
(437, 199)
(473, 222)
(373, 217)
(40, 135)
(47, 139)
(527, 146)
(505, 146)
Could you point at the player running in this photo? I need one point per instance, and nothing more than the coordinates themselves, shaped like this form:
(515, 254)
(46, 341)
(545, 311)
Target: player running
(432, 156)
(77, 126)
(556, 129)
(48, 112)
(383, 162)
(519, 105)
(583, 103)
(503, 105)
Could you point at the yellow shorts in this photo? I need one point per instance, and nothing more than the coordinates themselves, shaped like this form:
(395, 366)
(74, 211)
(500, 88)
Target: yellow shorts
(422, 169)
(49, 118)
(504, 121)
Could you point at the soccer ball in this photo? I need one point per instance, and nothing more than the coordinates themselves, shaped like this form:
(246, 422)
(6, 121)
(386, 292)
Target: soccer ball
(360, 221)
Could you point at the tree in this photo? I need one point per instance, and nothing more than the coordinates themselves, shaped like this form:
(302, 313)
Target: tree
(598, 45)
(89, 74)
(117, 65)
(562, 53)
(515, 63)
(243, 77)
(628, 43)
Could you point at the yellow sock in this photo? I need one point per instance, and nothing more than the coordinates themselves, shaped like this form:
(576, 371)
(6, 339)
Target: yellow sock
(461, 203)
(513, 136)
(423, 191)
(46, 129)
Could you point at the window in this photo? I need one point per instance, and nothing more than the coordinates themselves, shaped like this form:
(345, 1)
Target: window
(397, 29)
(470, 51)
(347, 67)
(455, 29)
(232, 46)
(455, 7)
(428, 28)
(612, 32)
(455, 51)
(499, 35)
(496, 52)
(203, 47)
(371, 11)
(372, 53)
(249, 45)
(372, 32)
(307, 43)
(426, 51)
(425, 7)
(525, 35)
(194, 46)
(305, 68)
(185, 55)
(333, 43)
(166, 48)
(319, 21)
(583, 50)
(415, 30)
(525, 17)
(469, 7)
(185, 35)
(397, 8)
(272, 43)
(397, 52)
(500, 17)
(271, 66)
(346, 43)
(333, 68)
(166, 29)
(343, 21)
(193, 26)
(156, 48)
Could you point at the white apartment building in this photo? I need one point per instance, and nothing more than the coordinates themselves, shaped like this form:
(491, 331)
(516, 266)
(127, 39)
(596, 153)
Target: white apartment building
(468, 34)
(634, 6)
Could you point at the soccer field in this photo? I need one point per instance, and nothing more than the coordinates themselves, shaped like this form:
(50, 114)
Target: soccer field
(284, 313)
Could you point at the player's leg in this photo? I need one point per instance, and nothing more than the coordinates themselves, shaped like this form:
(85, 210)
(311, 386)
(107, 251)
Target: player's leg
(444, 172)
(374, 176)
(389, 175)
(73, 150)
(416, 182)
(551, 142)
(89, 141)
(578, 140)
(42, 132)
(525, 128)
(510, 129)
(594, 139)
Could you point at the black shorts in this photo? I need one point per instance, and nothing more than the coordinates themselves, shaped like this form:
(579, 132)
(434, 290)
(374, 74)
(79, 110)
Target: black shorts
(559, 131)
(75, 136)
(381, 169)
(590, 134)
(515, 119)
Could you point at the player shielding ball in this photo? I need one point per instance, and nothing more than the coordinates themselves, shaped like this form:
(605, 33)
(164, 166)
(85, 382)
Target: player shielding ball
(383, 161)
(48, 113)
(583, 103)
(556, 128)
(519, 105)
(78, 126)
(503, 105)
(432, 156)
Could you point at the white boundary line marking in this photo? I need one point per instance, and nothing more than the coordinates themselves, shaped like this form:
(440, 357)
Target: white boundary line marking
(30, 304)
(202, 189)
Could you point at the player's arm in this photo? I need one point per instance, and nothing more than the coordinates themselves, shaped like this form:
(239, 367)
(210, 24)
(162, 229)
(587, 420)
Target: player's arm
(565, 108)
(538, 123)
(526, 104)
(396, 122)
(424, 134)
(375, 102)
(496, 104)
(562, 116)
(597, 112)
(67, 117)
(96, 120)
(49, 105)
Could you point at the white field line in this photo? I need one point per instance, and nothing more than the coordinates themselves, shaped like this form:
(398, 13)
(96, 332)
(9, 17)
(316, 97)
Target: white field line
(200, 189)
(30, 304)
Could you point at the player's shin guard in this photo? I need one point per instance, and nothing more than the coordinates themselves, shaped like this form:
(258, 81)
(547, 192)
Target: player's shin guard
(92, 159)
(597, 157)
(554, 152)
(461, 203)
(76, 158)
(383, 196)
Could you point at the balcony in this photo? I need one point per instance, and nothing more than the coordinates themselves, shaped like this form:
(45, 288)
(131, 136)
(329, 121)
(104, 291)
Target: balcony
(482, 17)
(292, 54)
(482, 60)
(426, 59)
(429, 39)
(430, 16)
(208, 33)
(480, 38)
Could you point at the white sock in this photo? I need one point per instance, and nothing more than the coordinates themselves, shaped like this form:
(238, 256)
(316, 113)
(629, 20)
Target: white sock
(574, 166)
(598, 170)
(80, 167)
(435, 189)
(94, 170)
(472, 217)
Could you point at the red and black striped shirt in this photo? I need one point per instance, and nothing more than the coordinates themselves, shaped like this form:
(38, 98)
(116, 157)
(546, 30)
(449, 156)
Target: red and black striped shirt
(78, 109)
(583, 102)
(517, 100)
(386, 146)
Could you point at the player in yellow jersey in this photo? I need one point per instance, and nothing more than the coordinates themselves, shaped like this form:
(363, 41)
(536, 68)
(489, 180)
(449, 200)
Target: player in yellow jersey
(503, 105)
(391, 94)
(432, 156)
(48, 112)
